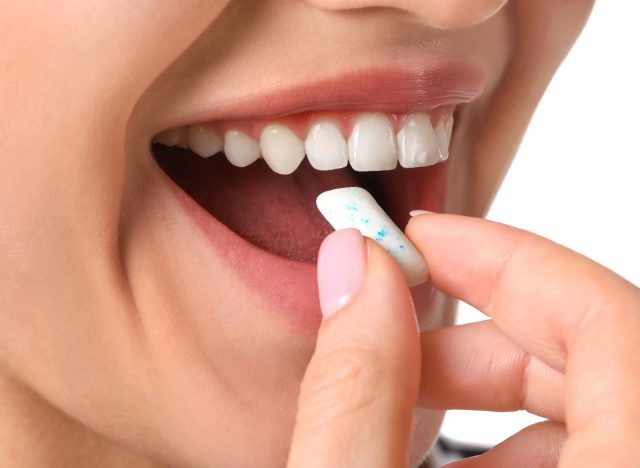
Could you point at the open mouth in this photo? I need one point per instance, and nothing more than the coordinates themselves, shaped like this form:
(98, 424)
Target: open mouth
(247, 174)
(261, 177)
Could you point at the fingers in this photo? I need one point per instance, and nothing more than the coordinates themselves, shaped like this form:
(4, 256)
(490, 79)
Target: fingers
(477, 367)
(535, 290)
(562, 308)
(535, 446)
(357, 396)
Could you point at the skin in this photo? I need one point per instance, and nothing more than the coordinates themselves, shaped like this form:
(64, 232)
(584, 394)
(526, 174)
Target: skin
(96, 366)
(562, 343)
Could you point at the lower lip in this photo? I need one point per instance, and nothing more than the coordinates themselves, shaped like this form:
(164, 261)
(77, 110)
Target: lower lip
(285, 287)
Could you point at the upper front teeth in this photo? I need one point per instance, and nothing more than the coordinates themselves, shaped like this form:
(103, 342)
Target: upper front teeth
(372, 145)
(325, 146)
(241, 150)
(281, 149)
(418, 142)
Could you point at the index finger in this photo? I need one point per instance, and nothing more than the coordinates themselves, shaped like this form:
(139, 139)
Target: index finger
(563, 308)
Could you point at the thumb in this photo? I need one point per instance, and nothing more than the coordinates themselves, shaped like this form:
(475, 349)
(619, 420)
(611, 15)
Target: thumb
(357, 396)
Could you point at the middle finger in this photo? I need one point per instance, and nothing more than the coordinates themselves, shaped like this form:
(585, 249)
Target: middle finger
(477, 367)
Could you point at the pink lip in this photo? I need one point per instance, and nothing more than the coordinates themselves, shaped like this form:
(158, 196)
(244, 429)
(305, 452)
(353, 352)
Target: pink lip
(289, 287)
(399, 91)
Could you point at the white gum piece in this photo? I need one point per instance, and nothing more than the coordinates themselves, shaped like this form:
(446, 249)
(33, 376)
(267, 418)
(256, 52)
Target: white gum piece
(240, 149)
(281, 149)
(204, 142)
(354, 207)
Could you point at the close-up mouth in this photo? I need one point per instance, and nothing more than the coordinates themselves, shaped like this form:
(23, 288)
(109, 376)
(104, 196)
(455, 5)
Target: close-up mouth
(238, 232)
(259, 175)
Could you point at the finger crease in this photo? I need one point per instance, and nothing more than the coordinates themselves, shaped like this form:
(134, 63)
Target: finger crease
(500, 274)
(525, 377)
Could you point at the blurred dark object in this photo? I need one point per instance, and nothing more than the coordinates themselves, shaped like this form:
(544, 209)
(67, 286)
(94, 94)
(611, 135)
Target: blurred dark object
(448, 450)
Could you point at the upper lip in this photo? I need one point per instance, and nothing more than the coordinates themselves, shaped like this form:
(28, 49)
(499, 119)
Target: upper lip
(394, 90)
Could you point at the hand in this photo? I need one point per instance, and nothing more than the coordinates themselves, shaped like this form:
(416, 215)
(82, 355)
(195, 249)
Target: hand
(563, 343)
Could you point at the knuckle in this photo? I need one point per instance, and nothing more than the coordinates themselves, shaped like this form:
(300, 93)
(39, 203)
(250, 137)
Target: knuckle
(524, 384)
(339, 384)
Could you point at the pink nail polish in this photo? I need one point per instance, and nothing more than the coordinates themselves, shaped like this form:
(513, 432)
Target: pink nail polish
(341, 269)
(419, 212)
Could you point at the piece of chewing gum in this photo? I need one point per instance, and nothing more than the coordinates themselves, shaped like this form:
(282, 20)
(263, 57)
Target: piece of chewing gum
(354, 207)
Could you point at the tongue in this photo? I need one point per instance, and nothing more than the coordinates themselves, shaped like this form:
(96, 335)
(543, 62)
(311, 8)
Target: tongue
(274, 212)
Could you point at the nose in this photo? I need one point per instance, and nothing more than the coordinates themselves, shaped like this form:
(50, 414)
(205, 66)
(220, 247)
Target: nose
(446, 14)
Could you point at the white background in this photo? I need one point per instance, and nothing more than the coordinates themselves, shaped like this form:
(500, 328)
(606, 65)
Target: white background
(576, 179)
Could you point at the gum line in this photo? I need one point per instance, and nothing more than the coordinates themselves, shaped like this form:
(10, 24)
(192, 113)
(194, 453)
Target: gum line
(299, 124)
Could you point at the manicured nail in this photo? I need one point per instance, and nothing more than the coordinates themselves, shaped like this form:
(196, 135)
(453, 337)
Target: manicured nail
(341, 269)
(419, 212)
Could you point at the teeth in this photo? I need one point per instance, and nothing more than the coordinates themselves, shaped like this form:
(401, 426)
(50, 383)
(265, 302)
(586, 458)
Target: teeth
(449, 127)
(204, 142)
(175, 137)
(418, 142)
(326, 147)
(240, 149)
(281, 149)
(372, 144)
(443, 133)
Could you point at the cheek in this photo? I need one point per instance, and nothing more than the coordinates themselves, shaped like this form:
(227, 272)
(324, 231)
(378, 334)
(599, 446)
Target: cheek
(543, 33)
(77, 70)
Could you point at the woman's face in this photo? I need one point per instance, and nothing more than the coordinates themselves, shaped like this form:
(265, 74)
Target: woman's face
(168, 301)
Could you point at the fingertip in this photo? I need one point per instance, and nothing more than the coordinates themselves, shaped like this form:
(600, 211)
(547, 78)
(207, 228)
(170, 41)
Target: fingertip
(422, 227)
(383, 273)
(421, 219)
(341, 269)
(365, 367)
(414, 213)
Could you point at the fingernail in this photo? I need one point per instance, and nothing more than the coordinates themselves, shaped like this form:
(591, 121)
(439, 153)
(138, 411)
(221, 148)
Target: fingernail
(341, 269)
(413, 213)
